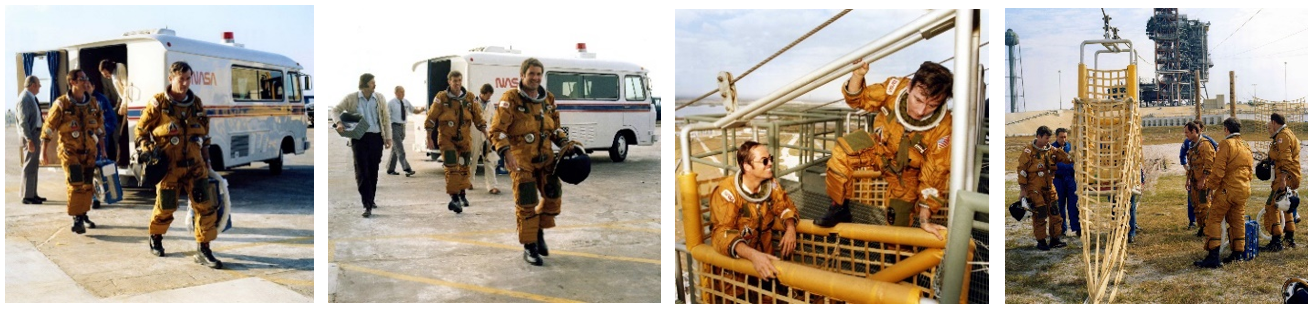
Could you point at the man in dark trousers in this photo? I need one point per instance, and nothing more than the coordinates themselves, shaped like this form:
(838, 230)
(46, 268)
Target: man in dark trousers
(29, 126)
(367, 150)
(1066, 201)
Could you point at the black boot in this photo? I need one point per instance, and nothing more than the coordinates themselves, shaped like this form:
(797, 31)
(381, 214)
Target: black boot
(1212, 259)
(1131, 238)
(1057, 243)
(157, 244)
(463, 201)
(836, 214)
(1234, 256)
(530, 255)
(206, 257)
(77, 225)
(1042, 245)
(368, 211)
(1275, 245)
(1288, 240)
(87, 220)
(454, 205)
(541, 243)
(1200, 233)
(95, 204)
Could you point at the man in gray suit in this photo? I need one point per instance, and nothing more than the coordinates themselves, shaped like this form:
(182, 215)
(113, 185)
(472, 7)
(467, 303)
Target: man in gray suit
(29, 125)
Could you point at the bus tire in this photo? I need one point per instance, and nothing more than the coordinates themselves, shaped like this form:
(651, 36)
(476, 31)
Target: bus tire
(216, 159)
(619, 148)
(275, 165)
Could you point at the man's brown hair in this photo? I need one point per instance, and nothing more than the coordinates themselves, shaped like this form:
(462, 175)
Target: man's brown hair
(937, 80)
(744, 154)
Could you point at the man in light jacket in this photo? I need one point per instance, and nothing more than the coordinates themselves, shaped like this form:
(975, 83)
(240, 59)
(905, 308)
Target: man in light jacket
(367, 150)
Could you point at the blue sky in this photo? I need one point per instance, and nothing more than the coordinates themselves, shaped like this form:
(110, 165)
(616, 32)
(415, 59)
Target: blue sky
(710, 41)
(1256, 52)
(286, 30)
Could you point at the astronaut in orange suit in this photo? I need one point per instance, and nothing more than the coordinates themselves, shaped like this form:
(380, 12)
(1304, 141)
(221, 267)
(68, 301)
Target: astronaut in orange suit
(910, 143)
(1200, 157)
(76, 119)
(745, 210)
(452, 112)
(1286, 174)
(525, 126)
(1230, 183)
(175, 121)
(1037, 171)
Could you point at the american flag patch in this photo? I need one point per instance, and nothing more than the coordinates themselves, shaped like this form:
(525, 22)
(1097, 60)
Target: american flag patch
(942, 142)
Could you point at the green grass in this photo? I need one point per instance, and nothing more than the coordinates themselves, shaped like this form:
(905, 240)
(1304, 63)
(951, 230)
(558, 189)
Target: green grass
(1159, 266)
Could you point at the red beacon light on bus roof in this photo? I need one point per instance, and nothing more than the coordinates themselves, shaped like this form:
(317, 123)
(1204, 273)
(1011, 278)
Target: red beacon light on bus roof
(582, 52)
(230, 39)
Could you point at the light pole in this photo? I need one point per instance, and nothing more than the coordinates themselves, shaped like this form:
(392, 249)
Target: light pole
(1060, 95)
(1285, 80)
(1253, 93)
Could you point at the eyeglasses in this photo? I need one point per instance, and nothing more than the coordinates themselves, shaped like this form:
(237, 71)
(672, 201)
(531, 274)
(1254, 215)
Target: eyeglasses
(766, 160)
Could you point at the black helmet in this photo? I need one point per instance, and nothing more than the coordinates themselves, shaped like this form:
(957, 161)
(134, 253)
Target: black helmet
(1018, 209)
(1295, 291)
(1263, 169)
(572, 164)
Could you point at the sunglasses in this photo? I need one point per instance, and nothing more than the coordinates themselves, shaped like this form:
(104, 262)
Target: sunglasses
(766, 160)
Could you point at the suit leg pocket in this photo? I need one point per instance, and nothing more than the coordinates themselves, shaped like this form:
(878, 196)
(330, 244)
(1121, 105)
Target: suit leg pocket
(200, 190)
(75, 174)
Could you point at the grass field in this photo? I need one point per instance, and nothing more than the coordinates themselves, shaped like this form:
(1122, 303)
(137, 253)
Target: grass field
(1159, 266)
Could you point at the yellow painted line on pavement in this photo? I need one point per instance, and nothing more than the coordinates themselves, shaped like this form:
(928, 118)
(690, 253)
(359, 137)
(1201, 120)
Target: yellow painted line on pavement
(238, 275)
(615, 225)
(289, 281)
(464, 286)
(289, 241)
(553, 252)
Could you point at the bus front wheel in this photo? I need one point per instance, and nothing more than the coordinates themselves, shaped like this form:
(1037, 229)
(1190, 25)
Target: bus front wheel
(275, 165)
(619, 149)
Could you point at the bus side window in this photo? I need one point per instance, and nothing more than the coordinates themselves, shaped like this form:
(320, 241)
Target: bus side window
(578, 86)
(252, 84)
(634, 88)
(293, 86)
(563, 85)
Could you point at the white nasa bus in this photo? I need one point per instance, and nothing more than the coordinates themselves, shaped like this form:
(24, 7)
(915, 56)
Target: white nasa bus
(604, 104)
(253, 98)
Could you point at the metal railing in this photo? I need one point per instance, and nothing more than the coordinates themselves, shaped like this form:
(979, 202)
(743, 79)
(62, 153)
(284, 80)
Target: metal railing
(817, 129)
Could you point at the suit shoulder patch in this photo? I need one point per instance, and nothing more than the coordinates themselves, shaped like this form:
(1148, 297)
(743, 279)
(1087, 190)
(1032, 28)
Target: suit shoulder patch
(892, 85)
(728, 196)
